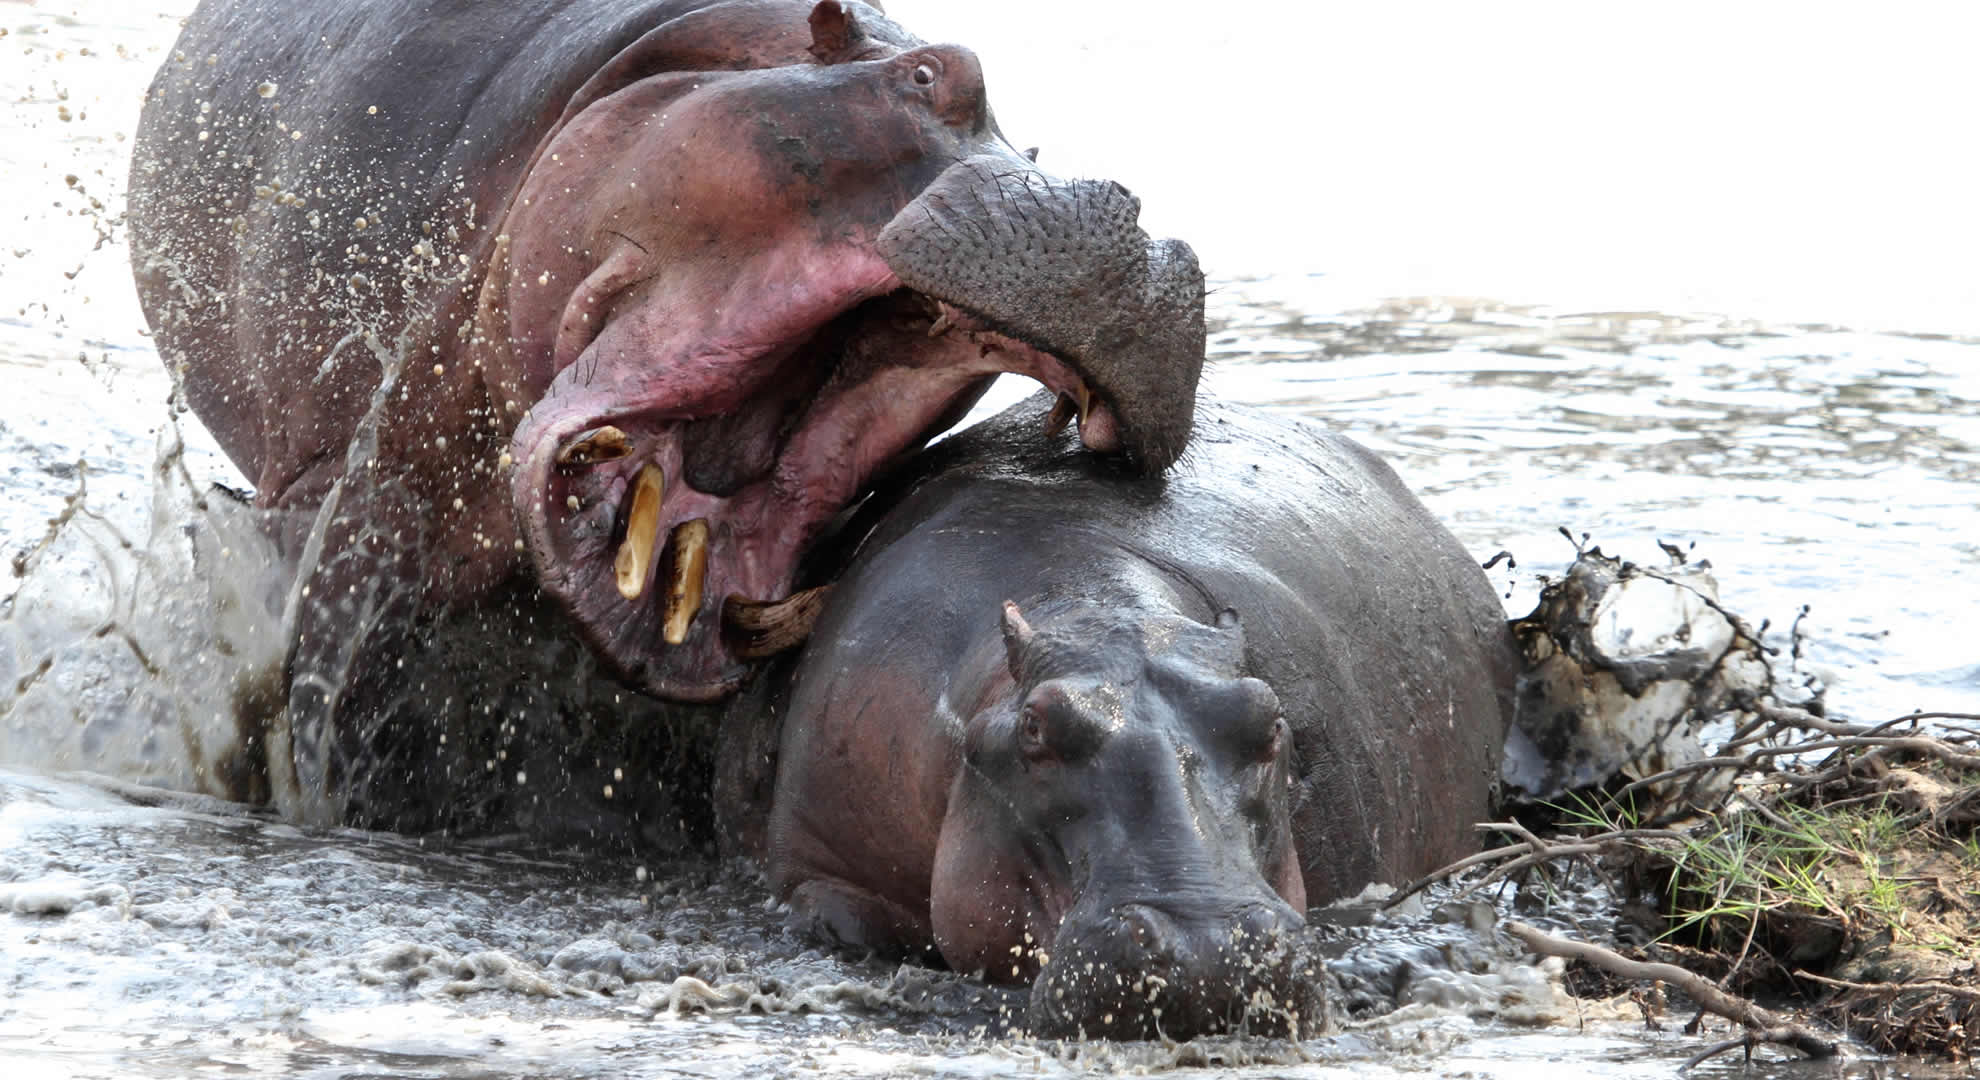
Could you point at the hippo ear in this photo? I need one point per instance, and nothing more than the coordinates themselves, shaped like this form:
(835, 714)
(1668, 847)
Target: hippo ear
(1017, 638)
(833, 31)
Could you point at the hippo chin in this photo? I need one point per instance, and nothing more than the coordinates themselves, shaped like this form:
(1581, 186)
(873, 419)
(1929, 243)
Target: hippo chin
(630, 296)
(1112, 733)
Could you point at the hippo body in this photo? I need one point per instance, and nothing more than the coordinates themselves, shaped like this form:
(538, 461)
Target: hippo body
(622, 300)
(1263, 681)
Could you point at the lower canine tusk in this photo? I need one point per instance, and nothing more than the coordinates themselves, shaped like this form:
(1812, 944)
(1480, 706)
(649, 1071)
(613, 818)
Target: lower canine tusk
(690, 572)
(635, 560)
(758, 629)
(1060, 416)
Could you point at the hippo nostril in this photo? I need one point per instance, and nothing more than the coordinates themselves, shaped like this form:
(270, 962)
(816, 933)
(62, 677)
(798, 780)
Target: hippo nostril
(1265, 922)
(1151, 932)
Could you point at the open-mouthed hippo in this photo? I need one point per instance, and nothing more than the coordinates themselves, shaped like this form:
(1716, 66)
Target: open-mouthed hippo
(1111, 733)
(635, 295)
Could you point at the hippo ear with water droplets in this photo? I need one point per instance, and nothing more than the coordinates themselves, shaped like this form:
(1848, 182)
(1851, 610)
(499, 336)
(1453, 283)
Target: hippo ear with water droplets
(1017, 638)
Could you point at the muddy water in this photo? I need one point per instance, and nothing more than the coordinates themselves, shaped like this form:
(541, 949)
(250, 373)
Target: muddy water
(163, 940)
(152, 935)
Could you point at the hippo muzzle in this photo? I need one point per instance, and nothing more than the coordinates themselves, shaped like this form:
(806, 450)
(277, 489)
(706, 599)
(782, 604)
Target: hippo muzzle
(1156, 969)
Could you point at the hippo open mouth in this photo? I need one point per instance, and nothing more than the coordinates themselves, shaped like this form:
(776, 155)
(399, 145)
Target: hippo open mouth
(684, 531)
(668, 503)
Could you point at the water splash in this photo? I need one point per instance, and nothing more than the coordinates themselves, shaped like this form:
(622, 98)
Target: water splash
(154, 658)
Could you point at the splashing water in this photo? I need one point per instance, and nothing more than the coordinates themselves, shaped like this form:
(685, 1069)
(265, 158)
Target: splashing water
(154, 659)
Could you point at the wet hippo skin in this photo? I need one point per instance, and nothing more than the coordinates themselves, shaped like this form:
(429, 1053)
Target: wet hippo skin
(1111, 733)
(623, 300)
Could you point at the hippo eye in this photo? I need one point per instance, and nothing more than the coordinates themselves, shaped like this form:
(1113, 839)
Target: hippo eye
(1266, 750)
(1031, 733)
(924, 75)
(1276, 742)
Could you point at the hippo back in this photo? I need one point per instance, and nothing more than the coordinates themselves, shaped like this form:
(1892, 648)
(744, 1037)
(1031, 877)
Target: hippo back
(337, 165)
(1381, 636)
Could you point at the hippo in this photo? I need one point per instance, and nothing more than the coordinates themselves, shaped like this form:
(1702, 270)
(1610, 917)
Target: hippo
(1111, 733)
(616, 302)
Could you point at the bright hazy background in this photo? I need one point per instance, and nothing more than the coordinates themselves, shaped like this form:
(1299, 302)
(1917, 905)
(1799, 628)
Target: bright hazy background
(1806, 161)
(1798, 161)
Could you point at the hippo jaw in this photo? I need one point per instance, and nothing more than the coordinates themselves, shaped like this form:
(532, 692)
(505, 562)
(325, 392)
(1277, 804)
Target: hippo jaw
(1140, 871)
(675, 539)
(710, 387)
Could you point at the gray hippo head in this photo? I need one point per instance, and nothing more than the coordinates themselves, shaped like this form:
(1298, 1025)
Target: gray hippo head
(1120, 834)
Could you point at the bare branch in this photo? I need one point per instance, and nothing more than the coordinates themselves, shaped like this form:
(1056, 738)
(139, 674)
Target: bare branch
(1522, 855)
(1763, 1026)
(1787, 1036)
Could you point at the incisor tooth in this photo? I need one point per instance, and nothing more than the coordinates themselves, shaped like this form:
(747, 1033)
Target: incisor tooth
(1078, 400)
(635, 559)
(1060, 416)
(690, 566)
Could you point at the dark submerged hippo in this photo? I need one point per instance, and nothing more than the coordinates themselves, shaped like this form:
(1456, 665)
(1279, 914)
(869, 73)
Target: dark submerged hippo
(1112, 733)
(620, 299)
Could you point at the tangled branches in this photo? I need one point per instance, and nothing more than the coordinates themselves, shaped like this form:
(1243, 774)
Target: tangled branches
(1834, 861)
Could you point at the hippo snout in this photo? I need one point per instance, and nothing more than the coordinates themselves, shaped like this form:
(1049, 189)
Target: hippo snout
(1142, 970)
